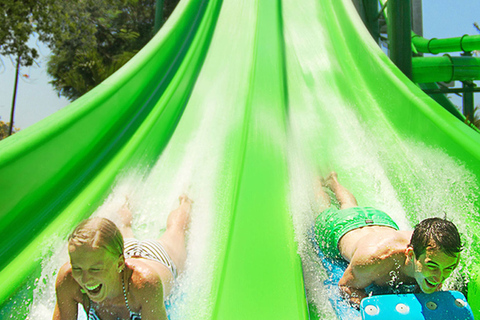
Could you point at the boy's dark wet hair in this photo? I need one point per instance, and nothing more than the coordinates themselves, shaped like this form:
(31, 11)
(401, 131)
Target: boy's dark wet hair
(436, 233)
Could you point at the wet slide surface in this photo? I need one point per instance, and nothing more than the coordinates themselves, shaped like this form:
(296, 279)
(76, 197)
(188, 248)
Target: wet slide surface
(239, 104)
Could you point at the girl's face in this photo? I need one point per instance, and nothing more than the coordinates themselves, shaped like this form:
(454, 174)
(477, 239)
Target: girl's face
(97, 271)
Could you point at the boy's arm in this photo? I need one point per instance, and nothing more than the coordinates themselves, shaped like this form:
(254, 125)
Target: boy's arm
(353, 283)
(367, 266)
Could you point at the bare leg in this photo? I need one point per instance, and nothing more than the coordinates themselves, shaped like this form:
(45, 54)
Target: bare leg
(173, 240)
(345, 197)
(322, 198)
(126, 220)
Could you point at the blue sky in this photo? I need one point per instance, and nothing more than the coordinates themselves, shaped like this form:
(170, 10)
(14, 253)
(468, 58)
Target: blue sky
(36, 98)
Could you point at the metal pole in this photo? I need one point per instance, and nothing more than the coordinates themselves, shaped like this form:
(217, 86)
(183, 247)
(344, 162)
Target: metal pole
(12, 114)
(453, 90)
(467, 96)
(368, 11)
(399, 35)
(371, 13)
(360, 9)
(158, 15)
(417, 17)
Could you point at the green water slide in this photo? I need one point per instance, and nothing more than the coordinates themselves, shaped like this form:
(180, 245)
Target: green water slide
(260, 78)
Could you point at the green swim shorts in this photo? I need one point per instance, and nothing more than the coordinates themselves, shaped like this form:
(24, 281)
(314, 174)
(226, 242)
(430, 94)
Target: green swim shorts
(332, 224)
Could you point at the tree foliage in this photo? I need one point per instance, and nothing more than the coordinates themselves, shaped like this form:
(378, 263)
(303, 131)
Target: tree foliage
(18, 21)
(4, 129)
(91, 39)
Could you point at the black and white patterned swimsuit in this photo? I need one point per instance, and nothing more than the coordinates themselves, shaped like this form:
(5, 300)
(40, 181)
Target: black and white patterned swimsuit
(149, 249)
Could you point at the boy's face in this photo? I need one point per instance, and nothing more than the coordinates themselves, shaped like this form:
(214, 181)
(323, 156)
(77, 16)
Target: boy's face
(432, 268)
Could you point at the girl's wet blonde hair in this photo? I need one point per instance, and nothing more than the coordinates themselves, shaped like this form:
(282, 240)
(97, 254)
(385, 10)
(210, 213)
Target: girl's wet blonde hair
(98, 233)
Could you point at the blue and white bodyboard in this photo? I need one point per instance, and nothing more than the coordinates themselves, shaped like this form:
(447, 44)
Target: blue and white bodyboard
(449, 305)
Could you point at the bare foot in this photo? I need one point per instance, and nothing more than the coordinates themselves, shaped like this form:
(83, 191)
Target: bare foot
(126, 220)
(343, 195)
(173, 239)
(185, 202)
(179, 219)
(321, 197)
(332, 180)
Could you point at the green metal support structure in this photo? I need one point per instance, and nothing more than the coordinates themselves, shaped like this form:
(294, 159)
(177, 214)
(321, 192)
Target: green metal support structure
(400, 55)
(445, 68)
(466, 43)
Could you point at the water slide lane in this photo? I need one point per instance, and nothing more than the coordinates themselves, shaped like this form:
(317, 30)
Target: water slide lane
(57, 172)
(262, 275)
(399, 138)
(130, 118)
(240, 128)
(273, 267)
